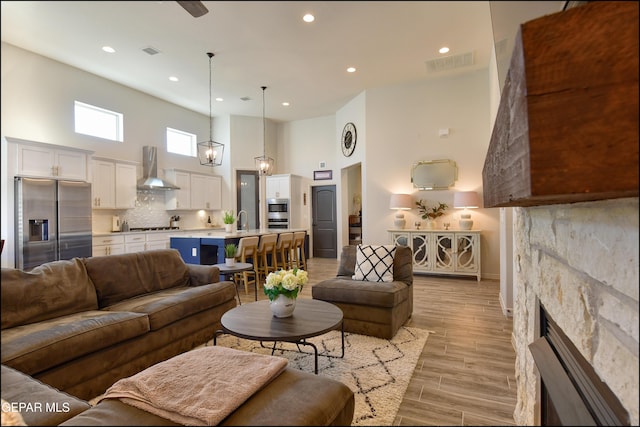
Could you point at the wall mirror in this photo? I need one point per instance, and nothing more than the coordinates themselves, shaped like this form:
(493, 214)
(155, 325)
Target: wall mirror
(434, 174)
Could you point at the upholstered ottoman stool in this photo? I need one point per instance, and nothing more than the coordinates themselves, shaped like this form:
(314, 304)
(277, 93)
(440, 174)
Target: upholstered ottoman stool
(371, 308)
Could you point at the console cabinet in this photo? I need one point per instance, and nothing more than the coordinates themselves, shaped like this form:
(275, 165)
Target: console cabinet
(451, 252)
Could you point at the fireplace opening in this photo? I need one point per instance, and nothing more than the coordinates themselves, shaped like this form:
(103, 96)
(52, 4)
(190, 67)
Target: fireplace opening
(571, 391)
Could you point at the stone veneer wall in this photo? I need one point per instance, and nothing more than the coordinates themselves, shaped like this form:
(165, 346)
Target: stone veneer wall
(580, 261)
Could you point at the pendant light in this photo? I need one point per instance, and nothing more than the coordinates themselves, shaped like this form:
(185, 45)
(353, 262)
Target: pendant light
(210, 152)
(264, 164)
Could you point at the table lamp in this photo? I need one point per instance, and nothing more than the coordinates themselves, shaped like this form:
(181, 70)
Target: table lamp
(400, 202)
(466, 200)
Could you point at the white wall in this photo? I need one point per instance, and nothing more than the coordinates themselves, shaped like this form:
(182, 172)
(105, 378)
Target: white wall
(402, 128)
(37, 104)
(506, 231)
(397, 126)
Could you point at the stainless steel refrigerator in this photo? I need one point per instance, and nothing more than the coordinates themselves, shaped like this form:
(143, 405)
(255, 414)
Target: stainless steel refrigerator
(52, 219)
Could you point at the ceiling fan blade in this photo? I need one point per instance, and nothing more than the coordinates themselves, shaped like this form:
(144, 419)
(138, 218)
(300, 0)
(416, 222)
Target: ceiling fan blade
(195, 8)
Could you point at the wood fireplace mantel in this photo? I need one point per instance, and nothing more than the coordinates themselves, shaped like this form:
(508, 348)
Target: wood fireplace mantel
(567, 123)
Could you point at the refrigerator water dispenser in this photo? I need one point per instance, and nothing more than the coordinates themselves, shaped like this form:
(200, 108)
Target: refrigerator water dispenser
(38, 230)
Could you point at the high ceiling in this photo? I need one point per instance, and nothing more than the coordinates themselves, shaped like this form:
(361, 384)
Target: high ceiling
(256, 43)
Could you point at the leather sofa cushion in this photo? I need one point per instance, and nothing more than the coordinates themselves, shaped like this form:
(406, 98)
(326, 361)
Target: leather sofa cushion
(119, 277)
(39, 346)
(171, 305)
(48, 291)
(375, 294)
(318, 401)
(50, 406)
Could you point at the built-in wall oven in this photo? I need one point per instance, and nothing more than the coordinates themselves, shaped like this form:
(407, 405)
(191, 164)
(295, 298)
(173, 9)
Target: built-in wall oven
(278, 213)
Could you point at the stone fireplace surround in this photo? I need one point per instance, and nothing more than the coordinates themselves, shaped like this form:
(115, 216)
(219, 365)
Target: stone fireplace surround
(580, 261)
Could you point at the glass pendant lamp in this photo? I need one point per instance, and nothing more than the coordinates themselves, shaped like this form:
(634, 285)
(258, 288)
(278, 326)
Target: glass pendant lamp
(264, 163)
(210, 152)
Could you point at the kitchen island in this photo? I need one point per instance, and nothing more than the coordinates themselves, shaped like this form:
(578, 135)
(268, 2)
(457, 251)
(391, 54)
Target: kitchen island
(207, 248)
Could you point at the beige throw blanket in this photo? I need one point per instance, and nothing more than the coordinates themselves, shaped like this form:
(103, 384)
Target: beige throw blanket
(199, 387)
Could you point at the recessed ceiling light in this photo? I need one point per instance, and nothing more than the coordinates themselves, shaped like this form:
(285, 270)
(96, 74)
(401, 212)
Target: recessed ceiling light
(219, 99)
(285, 104)
(173, 78)
(351, 70)
(444, 49)
(308, 18)
(108, 49)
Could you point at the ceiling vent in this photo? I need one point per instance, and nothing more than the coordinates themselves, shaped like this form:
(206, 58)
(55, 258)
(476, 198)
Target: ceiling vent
(449, 62)
(151, 50)
(245, 98)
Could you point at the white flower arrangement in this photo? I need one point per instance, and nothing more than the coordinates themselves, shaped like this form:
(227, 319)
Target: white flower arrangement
(285, 282)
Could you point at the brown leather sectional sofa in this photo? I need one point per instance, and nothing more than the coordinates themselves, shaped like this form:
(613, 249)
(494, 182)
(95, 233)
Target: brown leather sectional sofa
(80, 325)
(376, 309)
(318, 401)
(70, 329)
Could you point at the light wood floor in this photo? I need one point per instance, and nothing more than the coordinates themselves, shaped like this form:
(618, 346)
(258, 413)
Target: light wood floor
(465, 374)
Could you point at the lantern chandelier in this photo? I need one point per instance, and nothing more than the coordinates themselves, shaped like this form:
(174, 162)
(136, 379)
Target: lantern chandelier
(264, 164)
(210, 152)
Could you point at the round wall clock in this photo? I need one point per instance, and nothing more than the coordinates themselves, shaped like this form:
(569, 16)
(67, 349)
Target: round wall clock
(349, 138)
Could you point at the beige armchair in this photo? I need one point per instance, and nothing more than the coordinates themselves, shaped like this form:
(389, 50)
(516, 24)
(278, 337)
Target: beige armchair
(371, 308)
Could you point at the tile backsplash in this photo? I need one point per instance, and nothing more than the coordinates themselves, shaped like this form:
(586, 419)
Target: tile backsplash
(151, 212)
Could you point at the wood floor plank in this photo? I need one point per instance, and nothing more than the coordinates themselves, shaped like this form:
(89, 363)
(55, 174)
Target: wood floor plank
(465, 374)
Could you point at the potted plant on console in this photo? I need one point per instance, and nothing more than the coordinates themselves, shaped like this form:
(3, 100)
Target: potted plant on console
(431, 213)
(230, 251)
(229, 219)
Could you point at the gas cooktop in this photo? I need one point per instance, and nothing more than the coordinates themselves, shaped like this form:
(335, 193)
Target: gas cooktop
(153, 228)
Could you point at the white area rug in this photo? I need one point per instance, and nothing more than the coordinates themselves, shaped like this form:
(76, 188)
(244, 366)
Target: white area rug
(377, 370)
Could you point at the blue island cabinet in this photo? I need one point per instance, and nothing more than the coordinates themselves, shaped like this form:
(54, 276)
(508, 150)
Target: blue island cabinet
(202, 250)
(209, 249)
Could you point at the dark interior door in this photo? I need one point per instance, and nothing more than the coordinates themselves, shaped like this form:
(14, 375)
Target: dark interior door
(325, 224)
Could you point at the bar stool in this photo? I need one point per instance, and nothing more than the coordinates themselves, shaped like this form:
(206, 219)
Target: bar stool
(247, 252)
(283, 250)
(298, 258)
(266, 255)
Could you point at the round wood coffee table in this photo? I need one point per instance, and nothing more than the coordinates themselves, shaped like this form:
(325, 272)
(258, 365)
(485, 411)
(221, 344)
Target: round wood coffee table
(254, 321)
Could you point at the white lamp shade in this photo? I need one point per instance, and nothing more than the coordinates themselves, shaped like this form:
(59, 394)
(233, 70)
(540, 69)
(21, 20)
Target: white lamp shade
(401, 201)
(466, 199)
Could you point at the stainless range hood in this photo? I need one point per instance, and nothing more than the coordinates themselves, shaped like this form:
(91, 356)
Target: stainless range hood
(150, 179)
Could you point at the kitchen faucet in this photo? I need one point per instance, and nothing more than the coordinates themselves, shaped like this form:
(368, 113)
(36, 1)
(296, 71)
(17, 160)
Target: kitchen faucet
(245, 225)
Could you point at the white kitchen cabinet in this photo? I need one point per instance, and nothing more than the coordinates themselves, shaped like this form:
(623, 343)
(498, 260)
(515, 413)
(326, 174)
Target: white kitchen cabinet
(278, 187)
(126, 185)
(48, 161)
(103, 184)
(158, 240)
(292, 188)
(442, 251)
(121, 243)
(178, 199)
(197, 191)
(108, 245)
(113, 184)
(134, 242)
(206, 192)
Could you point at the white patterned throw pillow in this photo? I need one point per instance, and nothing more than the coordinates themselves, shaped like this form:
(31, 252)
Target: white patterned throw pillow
(374, 263)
